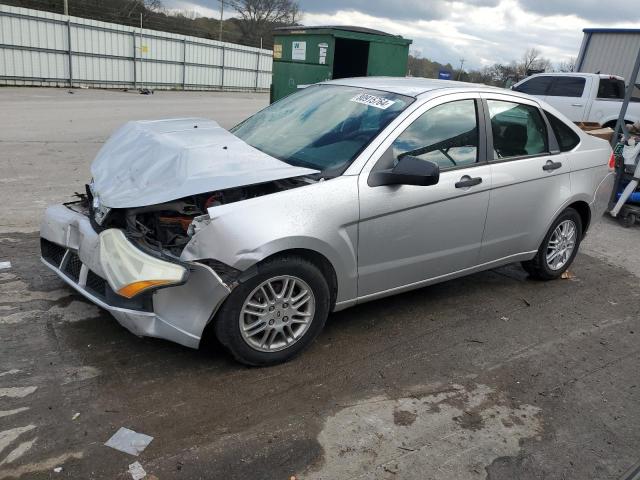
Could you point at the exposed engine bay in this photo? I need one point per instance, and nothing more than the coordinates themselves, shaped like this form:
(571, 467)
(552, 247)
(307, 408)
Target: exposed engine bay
(167, 227)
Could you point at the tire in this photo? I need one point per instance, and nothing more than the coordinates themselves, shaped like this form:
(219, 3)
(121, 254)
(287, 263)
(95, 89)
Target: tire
(627, 220)
(612, 124)
(235, 319)
(539, 267)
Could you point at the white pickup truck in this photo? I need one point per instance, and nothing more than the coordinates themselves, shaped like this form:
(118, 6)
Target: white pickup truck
(582, 97)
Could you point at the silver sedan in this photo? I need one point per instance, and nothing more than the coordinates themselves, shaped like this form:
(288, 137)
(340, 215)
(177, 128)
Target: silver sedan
(341, 193)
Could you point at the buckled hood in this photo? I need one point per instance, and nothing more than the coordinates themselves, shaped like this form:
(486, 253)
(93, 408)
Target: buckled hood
(150, 162)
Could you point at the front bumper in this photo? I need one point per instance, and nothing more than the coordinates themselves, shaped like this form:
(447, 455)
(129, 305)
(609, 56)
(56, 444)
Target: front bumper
(71, 248)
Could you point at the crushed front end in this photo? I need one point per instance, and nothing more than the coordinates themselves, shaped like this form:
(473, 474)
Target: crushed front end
(150, 292)
(153, 185)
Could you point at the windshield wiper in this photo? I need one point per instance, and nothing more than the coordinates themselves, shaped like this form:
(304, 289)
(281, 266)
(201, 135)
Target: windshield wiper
(296, 162)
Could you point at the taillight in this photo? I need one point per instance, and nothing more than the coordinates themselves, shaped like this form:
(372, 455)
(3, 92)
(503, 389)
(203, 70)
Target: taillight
(612, 161)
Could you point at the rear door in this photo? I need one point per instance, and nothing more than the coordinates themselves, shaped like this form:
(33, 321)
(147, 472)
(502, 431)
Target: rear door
(570, 95)
(530, 177)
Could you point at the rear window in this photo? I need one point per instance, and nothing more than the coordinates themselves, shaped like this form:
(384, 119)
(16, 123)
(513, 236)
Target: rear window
(567, 138)
(567, 87)
(518, 130)
(611, 88)
(534, 86)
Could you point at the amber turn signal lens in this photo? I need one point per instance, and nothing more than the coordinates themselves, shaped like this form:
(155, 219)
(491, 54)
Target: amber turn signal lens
(133, 289)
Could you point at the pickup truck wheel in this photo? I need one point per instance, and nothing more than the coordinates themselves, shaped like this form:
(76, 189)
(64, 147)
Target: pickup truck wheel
(558, 249)
(627, 220)
(275, 314)
(612, 124)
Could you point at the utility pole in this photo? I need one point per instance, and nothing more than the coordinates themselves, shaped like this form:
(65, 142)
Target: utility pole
(141, 51)
(221, 14)
(460, 71)
(66, 7)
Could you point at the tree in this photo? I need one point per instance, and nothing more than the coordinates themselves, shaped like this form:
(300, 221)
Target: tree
(142, 8)
(531, 60)
(567, 65)
(423, 67)
(257, 17)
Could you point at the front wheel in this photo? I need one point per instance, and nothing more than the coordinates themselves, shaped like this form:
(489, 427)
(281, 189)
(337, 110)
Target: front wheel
(274, 315)
(558, 249)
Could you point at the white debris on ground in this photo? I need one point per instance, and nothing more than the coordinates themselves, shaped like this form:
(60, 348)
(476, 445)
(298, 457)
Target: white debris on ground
(5, 265)
(136, 471)
(128, 441)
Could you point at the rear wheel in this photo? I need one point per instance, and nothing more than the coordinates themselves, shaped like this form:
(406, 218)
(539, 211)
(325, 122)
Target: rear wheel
(558, 249)
(274, 315)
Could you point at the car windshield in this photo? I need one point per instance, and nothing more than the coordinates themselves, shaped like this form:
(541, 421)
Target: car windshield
(323, 127)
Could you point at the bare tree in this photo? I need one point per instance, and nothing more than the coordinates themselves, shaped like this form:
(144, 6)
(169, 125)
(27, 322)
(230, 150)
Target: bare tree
(567, 65)
(154, 5)
(529, 58)
(532, 60)
(135, 8)
(257, 17)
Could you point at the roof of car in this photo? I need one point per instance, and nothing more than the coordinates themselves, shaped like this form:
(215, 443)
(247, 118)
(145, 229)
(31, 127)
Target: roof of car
(572, 74)
(410, 86)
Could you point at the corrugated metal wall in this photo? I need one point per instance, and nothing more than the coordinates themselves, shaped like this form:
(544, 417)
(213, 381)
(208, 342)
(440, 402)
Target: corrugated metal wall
(608, 52)
(43, 48)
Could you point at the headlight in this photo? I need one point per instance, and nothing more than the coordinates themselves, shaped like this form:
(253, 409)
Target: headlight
(130, 271)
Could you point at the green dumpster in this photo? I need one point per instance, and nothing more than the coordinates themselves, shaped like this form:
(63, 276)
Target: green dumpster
(305, 55)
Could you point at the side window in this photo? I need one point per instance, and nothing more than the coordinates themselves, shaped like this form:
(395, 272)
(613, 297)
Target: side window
(611, 88)
(535, 86)
(446, 135)
(518, 130)
(567, 138)
(567, 87)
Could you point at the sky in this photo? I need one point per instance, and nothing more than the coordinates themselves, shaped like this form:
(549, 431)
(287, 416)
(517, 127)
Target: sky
(481, 32)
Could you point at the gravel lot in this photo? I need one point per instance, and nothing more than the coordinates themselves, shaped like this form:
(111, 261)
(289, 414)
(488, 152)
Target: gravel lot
(491, 376)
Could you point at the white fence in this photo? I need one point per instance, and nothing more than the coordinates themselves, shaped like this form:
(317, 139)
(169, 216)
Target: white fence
(43, 48)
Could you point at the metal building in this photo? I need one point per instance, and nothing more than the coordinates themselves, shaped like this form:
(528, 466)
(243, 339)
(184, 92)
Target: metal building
(609, 50)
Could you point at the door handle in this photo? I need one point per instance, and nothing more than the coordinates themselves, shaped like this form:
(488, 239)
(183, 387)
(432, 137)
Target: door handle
(576, 105)
(466, 181)
(550, 165)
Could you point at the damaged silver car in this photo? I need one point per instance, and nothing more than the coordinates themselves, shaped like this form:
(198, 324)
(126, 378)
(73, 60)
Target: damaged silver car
(343, 192)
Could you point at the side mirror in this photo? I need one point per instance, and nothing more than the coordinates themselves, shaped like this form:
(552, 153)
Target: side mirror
(408, 171)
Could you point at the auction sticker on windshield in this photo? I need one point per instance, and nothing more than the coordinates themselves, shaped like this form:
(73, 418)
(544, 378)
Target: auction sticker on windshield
(373, 101)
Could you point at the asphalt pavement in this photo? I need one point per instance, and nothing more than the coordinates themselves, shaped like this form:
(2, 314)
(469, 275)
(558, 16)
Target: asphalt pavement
(491, 376)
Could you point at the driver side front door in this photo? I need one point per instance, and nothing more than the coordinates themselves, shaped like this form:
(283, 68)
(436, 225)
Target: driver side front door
(412, 235)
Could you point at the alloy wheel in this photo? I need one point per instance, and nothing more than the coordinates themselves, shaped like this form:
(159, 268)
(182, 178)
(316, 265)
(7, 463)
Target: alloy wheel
(561, 245)
(277, 313)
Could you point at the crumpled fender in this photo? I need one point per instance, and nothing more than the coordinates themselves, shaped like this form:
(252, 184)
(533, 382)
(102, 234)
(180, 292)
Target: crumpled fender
(321, 217)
